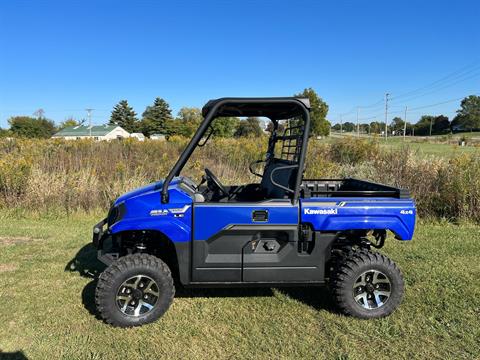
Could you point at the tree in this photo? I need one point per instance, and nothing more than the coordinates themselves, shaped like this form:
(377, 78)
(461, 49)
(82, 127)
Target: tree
(26, 126)
(188, 120)
(318, 113)
(422, 127)
(437, 125)
(225, 126)
(156, 119)
(376, 127)
(441, 125)
(468, 116)
(249, 127)
(124, 116)
(397, 125)
(67, 123)
(348, 126)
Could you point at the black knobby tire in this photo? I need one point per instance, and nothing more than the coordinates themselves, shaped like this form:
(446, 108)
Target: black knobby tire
(360, 301)
(146, 268)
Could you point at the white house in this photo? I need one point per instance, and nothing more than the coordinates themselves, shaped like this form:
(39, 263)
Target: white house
(138, 136)
(100, 132)
(160, 137)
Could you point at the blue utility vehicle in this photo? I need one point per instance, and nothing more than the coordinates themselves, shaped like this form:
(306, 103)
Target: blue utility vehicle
(284, 230)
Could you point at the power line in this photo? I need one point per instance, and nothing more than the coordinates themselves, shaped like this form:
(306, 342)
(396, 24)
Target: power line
(440, 88)
(458, 73)
(436, 104)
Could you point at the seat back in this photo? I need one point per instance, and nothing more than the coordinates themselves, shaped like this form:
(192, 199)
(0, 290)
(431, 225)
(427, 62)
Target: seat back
(284, 177)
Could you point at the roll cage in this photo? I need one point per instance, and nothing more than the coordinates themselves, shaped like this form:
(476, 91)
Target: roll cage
(294, 138)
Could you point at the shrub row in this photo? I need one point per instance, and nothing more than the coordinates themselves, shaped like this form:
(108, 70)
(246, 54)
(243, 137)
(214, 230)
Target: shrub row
(47, 175)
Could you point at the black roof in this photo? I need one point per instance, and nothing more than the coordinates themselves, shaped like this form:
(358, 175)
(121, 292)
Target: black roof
(272, 107)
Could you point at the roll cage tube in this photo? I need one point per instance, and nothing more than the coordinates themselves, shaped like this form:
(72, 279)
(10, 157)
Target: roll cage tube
(210, 115)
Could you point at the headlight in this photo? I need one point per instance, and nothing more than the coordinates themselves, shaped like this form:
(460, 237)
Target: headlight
(115, 214)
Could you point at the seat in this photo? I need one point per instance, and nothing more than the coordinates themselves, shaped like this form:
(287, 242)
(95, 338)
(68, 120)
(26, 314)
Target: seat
(284, 177)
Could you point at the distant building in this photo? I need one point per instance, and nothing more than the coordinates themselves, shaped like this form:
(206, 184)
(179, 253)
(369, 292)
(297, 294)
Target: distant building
(160, 137)
(100, 132)
(138, 136)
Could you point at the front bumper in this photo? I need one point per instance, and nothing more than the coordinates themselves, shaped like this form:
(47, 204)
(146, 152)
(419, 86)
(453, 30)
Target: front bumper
(98, 234)
(98, 240)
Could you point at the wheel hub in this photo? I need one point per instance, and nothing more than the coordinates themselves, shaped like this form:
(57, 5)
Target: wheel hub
(137, 295)
(372, 289)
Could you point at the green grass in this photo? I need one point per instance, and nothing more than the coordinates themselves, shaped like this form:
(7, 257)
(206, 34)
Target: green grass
(431, 146)
(47, 312)
(429, 149)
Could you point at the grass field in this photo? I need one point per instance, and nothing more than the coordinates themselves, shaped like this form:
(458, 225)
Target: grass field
(47, 310)
(423, 146)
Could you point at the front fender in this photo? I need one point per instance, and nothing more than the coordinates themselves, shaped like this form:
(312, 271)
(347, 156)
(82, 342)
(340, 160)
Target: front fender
(175, 230)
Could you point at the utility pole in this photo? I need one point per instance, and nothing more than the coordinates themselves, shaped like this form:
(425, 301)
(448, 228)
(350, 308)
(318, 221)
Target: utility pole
(358, 125)
(386, 115)
(341, 125)
(405, 124)
(89, 115)
(431, 124)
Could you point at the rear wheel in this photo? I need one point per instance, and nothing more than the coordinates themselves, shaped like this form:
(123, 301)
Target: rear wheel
(367, 285)
(135, 290)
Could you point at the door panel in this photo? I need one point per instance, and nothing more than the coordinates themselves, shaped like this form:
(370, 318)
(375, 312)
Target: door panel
(223, 230)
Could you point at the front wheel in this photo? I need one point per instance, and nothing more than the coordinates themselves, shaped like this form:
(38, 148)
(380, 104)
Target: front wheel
(135, 290)
(367, 285)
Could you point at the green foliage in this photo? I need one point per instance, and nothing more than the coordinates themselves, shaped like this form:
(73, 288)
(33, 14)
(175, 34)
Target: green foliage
(348, 127)
(437, 124)
(225, 126)
(318, 113)
(249, 127)
(67, 123)
(353, 151)
(25, 126)
(187, 122)
(4, 133)
(377, 127)
(397, 125)
(83, 175)
(441, 125)
(156, 119)
(124, 116)
(468, 116)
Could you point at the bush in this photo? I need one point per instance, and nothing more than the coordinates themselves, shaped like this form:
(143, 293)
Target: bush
(44, 175)
(353, 151)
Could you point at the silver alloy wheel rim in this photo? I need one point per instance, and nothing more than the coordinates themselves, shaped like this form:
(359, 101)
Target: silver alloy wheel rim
(372, 289)
(137, 295)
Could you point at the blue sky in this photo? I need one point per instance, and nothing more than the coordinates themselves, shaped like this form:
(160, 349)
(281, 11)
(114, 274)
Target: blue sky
(65, 56)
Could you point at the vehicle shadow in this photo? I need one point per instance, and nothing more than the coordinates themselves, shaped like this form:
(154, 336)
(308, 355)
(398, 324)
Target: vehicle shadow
(18, 355)
(85, 263)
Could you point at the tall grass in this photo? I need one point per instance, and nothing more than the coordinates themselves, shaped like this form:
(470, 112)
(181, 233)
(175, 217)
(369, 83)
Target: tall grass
(55, 175)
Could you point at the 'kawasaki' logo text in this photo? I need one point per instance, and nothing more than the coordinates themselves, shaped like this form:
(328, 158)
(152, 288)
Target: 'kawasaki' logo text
(308, 211)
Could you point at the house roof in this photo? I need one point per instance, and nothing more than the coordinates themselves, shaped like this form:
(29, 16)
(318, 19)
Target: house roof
(83, 130)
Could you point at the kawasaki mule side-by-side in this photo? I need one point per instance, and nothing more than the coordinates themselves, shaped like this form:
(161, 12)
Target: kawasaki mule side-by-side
(282, 230)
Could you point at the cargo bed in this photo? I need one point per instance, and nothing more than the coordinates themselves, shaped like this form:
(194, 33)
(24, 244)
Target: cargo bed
(349, 187)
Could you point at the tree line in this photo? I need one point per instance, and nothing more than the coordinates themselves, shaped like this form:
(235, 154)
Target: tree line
(157, 118)
(466, 119)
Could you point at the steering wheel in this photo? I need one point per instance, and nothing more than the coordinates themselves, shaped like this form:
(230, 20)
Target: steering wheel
(212, 179)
